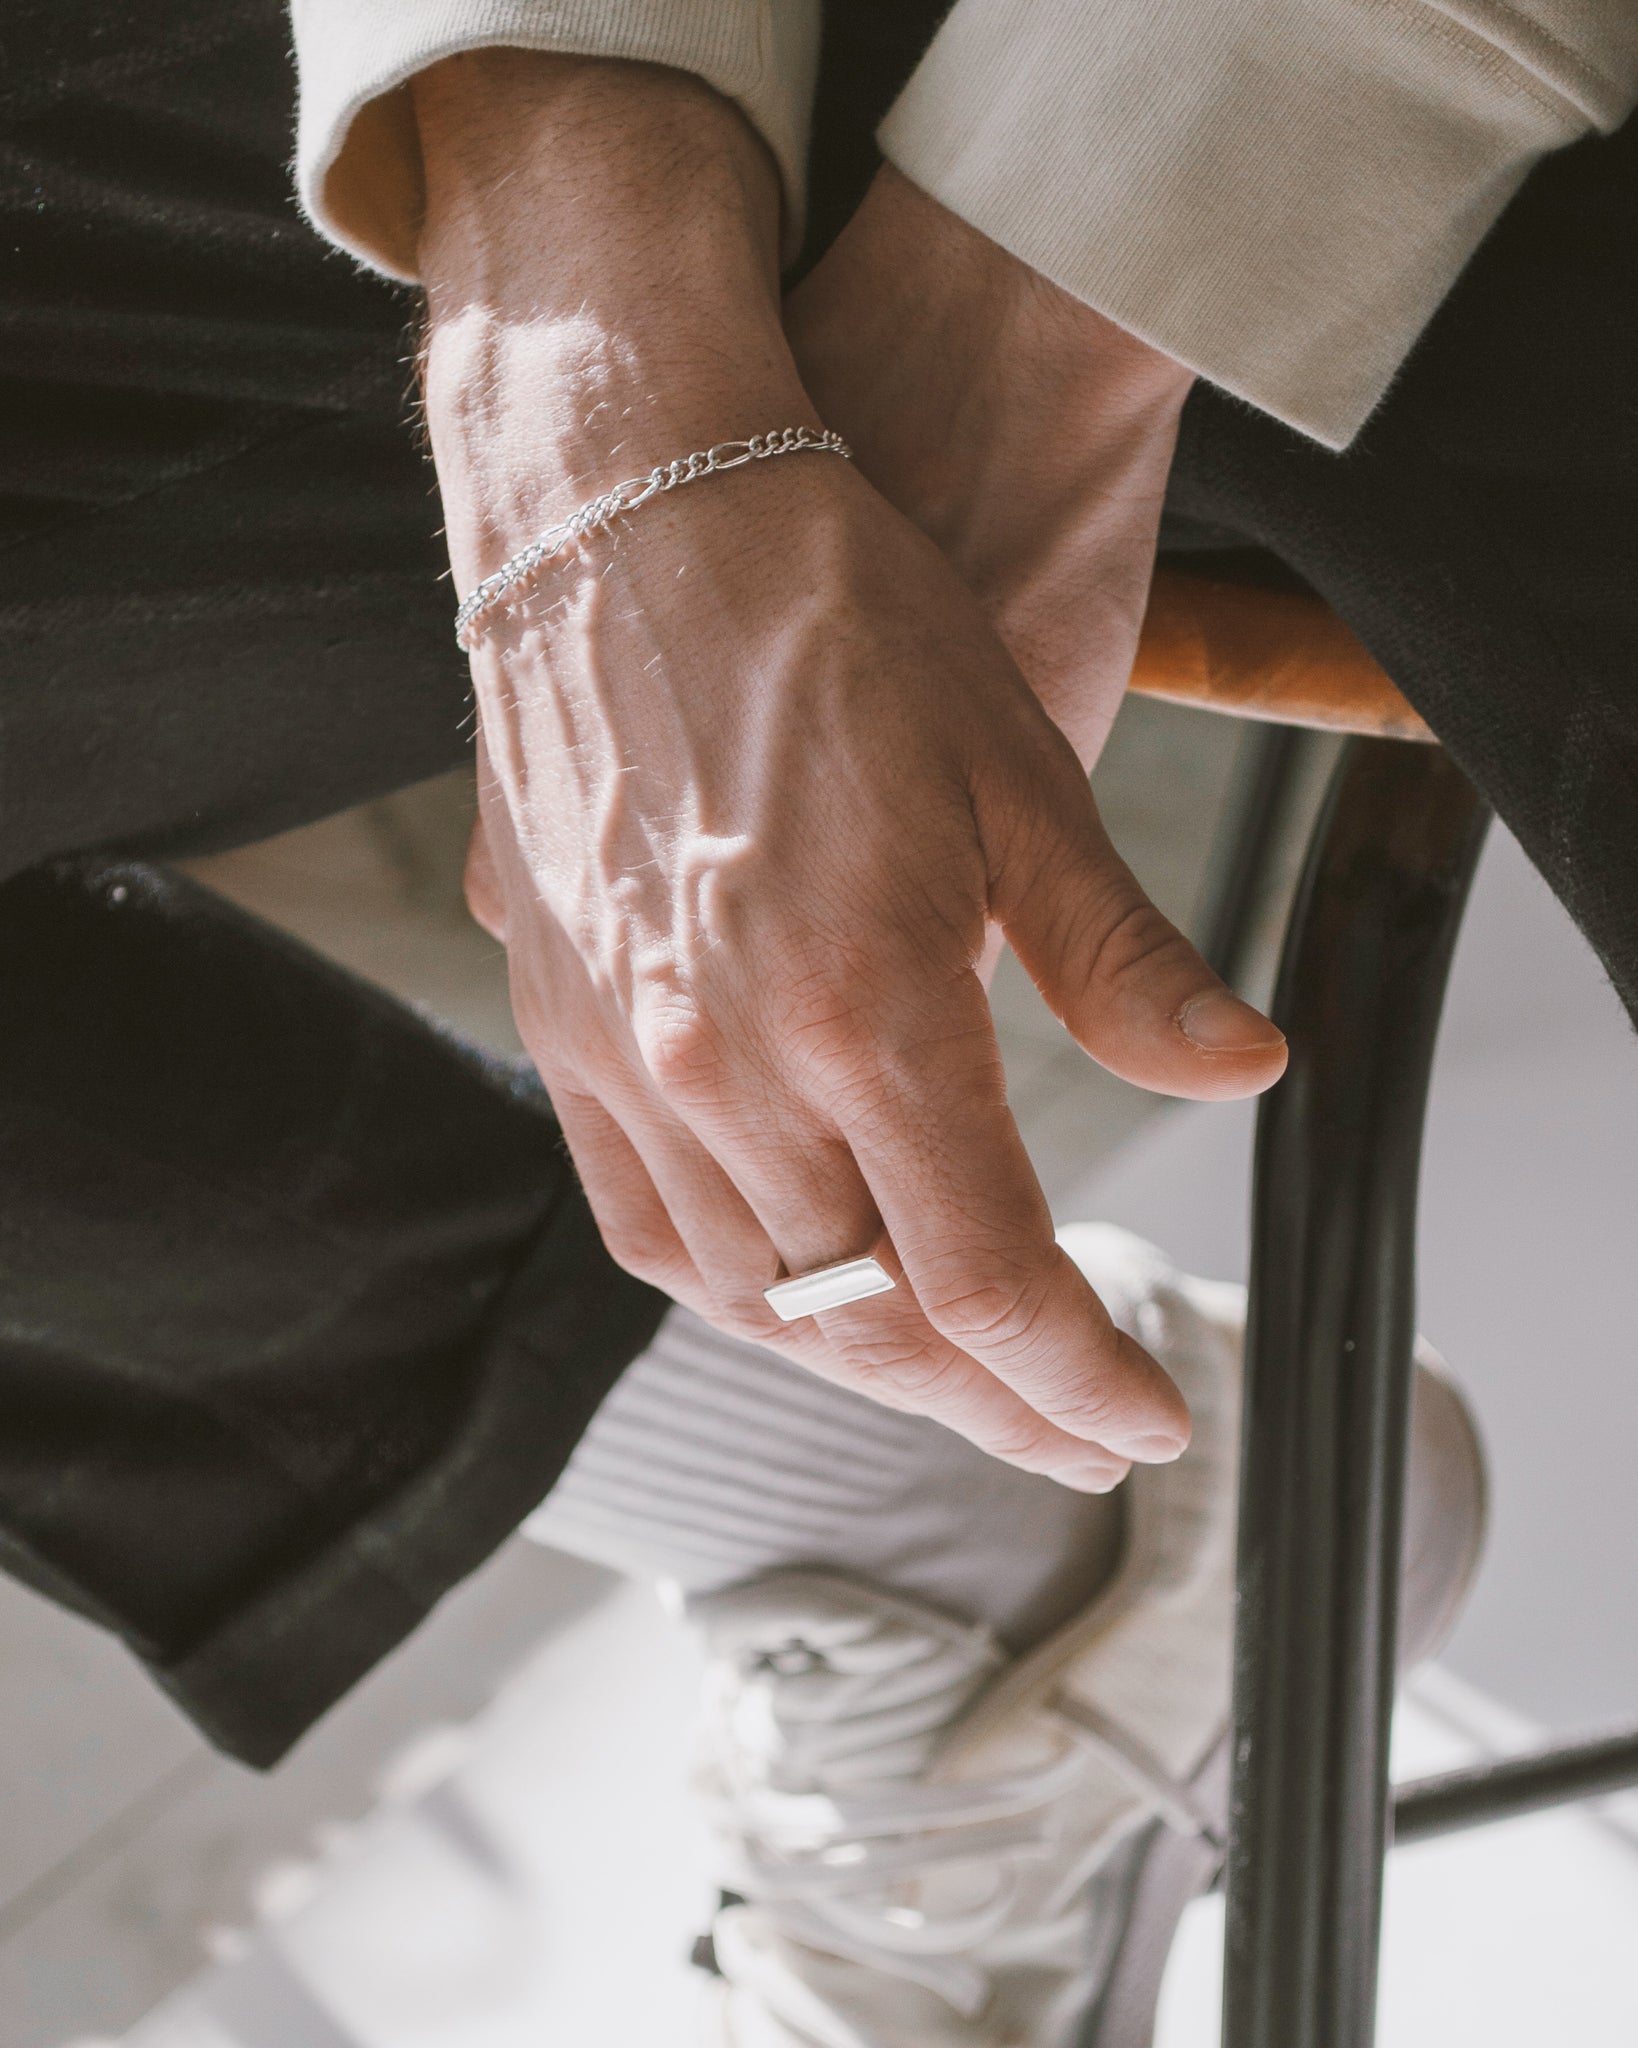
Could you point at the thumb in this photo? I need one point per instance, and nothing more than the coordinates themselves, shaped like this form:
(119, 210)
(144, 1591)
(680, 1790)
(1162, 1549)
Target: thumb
(1125, 981)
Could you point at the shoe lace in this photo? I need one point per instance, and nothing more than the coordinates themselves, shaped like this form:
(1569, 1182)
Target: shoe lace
(814, 1778)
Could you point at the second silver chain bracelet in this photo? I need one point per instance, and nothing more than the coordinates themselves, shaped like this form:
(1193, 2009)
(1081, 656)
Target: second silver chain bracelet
(626, 497)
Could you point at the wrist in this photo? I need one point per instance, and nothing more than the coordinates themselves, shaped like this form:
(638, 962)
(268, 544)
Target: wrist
(907, 320)
(600, 258)
(1024, 433)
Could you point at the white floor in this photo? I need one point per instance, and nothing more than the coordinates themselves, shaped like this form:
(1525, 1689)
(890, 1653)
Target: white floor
(1515, 1937)
(529, 1873)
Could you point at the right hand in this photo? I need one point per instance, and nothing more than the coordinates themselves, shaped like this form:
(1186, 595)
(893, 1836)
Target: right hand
(758, 780)
(1026, 435)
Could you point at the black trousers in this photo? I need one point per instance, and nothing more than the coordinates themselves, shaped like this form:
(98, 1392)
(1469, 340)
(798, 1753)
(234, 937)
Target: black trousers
(301, 1308)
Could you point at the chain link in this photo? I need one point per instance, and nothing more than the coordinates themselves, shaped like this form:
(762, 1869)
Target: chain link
(626, 497)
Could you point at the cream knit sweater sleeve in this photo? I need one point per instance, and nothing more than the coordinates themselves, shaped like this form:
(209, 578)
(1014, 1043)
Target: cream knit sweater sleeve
(1276, 192)
(358, 166)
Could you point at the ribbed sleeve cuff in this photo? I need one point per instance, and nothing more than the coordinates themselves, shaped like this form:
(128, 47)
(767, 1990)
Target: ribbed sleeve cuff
(358, 163)
(1276, 193)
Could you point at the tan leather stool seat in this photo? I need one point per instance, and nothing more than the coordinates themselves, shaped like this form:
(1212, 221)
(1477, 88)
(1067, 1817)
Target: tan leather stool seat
(1268, 654)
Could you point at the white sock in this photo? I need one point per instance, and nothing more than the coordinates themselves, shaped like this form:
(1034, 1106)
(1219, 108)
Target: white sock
(713, 1460)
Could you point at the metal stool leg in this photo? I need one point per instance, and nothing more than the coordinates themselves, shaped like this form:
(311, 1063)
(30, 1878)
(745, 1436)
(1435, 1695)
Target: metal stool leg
(1327, 1393)
(1264, 780)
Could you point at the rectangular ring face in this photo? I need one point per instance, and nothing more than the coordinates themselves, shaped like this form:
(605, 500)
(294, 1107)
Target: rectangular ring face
(809, 1294)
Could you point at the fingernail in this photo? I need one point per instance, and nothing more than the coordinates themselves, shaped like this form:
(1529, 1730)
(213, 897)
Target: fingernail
(1091, 1478)
(1220, 1022)
(1150, 1450)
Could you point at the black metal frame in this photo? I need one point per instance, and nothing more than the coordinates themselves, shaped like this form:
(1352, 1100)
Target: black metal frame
(1328, 1371)
(1517, 1784)
(1258, 818)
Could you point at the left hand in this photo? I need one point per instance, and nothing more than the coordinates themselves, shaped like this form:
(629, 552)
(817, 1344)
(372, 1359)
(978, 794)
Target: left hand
(1024, 433)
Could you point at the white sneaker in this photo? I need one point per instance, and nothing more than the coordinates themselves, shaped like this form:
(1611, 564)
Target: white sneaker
(937, 1847)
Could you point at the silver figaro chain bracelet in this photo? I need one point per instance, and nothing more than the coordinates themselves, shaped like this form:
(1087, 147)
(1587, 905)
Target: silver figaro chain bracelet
(626, 497)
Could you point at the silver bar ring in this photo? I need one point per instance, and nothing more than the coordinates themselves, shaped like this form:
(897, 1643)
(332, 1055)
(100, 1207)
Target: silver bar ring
(810, 1294)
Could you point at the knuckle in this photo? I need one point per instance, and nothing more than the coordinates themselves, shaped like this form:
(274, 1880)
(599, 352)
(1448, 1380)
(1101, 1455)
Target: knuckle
(1026, 1441)
(683, 1051)
(846, 1002)
(597, 1068)
(592, 1066)
(997, 1302)
(1005, 1316)
(918, 1383)
(1074, 1397)
(1139, 937)
(900, 1373)
(647, 1250)
(826, 1014)
(748, 1317)
(1082, 1407)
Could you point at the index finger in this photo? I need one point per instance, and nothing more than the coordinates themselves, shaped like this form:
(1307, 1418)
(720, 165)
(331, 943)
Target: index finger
(943, 1159)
